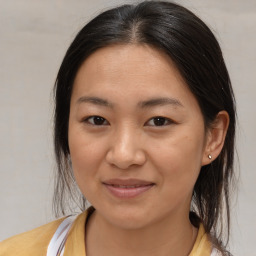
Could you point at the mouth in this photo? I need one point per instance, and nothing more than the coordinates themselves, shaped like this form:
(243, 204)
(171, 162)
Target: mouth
(125, 189)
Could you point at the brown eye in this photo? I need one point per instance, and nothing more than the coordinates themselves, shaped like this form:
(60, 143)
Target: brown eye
(159, 121)
(96, 120)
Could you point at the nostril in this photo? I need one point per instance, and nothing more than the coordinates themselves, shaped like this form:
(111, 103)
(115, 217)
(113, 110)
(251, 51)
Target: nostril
(124, 160)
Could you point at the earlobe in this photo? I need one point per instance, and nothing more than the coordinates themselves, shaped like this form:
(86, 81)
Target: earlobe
(215, 137)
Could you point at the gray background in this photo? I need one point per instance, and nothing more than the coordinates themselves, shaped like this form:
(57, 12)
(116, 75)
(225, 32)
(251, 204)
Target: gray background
(34, 35)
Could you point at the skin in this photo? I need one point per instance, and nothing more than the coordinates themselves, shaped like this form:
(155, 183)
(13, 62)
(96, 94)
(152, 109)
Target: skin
(128, 144)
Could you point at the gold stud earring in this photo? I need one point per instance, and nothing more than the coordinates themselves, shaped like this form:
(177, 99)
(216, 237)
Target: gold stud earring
(209, 156)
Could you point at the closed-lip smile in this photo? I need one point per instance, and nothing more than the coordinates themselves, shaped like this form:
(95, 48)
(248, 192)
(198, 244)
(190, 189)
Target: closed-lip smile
(127, 188)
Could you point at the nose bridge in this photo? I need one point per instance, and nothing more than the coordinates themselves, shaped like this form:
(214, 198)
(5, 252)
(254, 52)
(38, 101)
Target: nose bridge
(126, 147)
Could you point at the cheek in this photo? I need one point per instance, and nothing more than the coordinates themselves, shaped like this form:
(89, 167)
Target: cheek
(178, 161)
(86, 156)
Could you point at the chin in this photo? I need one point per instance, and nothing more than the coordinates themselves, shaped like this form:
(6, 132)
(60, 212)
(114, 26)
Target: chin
(128, 218)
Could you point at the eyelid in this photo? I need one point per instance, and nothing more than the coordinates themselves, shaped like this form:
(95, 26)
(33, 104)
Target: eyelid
(169, 121)
(86, 120)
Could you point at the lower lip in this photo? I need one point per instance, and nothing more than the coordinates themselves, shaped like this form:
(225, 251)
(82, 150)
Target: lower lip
(127, 192)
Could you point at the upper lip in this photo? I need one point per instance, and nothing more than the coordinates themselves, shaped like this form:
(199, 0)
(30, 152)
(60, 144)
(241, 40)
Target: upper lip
(127, 182)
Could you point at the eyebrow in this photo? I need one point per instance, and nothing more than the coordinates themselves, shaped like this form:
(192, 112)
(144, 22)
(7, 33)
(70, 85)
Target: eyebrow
(95, 100)
(160, 102)
(142, 104)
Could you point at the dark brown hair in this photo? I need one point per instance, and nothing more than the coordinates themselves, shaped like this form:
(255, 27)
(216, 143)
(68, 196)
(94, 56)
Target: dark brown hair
(196, 53)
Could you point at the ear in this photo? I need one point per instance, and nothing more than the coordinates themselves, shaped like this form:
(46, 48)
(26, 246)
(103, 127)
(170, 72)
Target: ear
(215, 137)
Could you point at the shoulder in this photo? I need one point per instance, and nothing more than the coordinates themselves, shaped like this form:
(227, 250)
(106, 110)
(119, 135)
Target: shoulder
(216, 252)
(34, 242)
(202, 246)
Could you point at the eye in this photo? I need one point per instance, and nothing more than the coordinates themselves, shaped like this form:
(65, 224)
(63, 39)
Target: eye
(159, 121)
(96, 120)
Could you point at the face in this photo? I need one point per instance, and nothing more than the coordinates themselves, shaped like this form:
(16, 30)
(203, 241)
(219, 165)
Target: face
(136, 136)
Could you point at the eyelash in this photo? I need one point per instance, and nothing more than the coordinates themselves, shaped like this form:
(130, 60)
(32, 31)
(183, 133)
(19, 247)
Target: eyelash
(94, 117)
(167, 121)
(160, 119)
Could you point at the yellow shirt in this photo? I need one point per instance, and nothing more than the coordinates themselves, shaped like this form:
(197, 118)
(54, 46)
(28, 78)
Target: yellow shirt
(35, 242)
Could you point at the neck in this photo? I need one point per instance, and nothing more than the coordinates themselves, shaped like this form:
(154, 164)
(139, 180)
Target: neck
(171, 236)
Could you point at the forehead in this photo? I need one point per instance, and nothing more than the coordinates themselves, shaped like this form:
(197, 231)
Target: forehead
(122, 57)
(130, 70)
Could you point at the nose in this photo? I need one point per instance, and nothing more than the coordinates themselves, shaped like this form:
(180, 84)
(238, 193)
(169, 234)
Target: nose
(126, 150)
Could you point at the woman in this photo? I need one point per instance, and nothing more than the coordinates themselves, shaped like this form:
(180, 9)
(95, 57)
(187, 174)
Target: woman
(145, 125)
